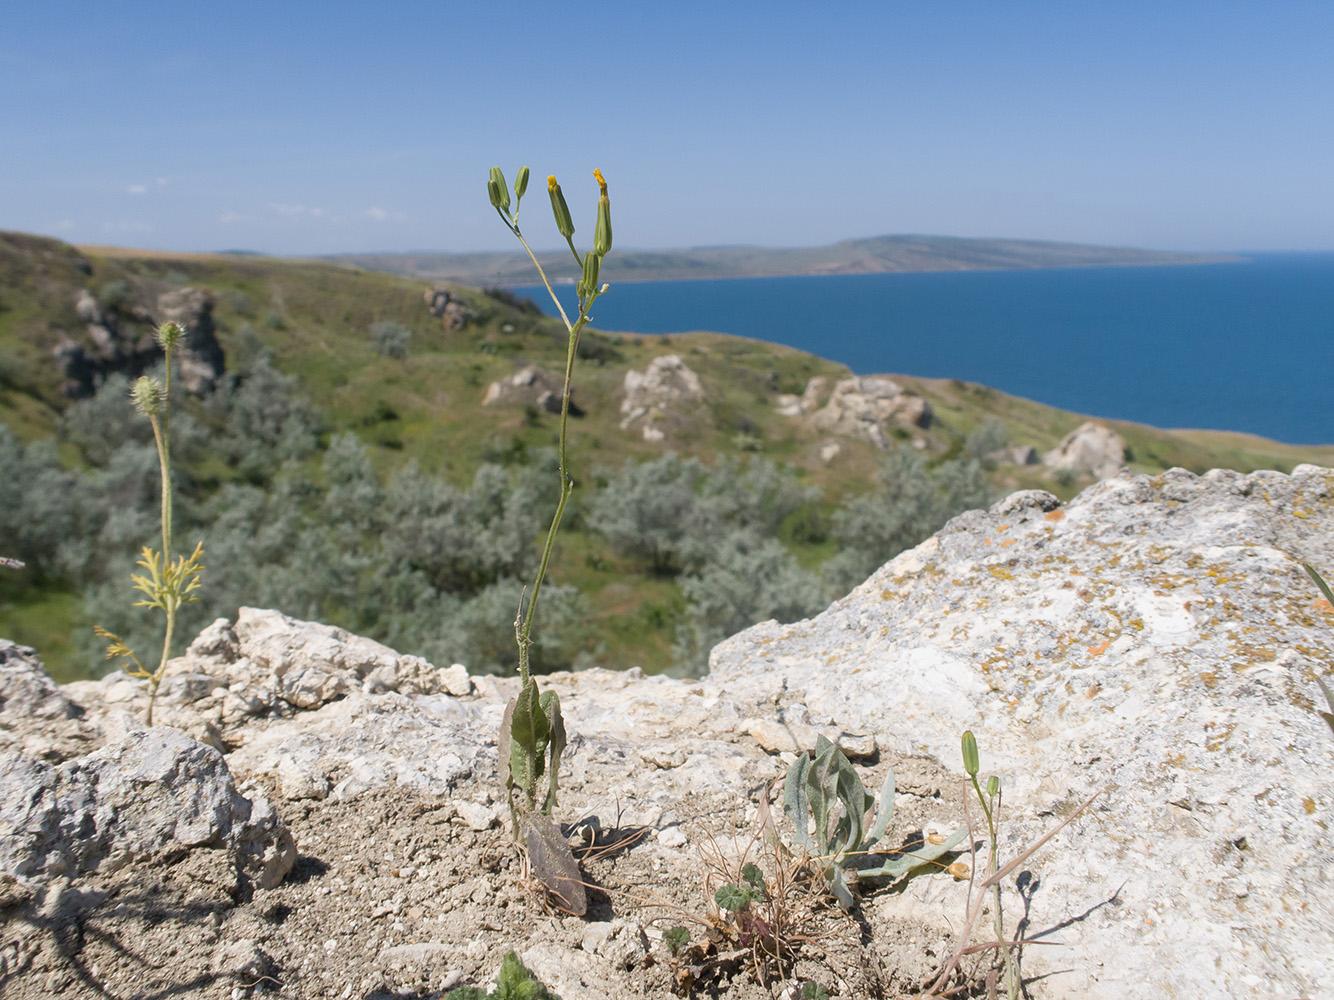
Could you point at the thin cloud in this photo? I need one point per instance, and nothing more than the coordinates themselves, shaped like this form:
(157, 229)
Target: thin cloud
(137, 189)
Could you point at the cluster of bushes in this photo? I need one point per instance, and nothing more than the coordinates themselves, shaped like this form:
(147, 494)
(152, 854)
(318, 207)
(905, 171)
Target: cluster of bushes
(423, 565)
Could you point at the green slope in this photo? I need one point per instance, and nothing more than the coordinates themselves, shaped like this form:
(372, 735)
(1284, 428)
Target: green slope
(315, 317)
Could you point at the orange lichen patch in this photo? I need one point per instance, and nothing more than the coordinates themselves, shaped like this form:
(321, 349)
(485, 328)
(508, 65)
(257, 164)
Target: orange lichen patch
(1321, 604)
(1100, 648)
(1210, 679)
(986, 541)
(1216, 740)
(1008, 542)
(1308, 805)
(1003, 527)
(1054, 515)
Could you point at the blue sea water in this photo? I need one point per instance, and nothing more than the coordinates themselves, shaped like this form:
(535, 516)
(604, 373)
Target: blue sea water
(1246, 346)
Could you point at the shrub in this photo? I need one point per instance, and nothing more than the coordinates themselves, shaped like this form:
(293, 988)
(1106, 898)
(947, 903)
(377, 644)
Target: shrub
(909, 504)
(391, 339)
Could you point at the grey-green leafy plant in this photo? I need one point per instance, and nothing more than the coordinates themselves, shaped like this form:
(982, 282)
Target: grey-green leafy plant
(991, 809)
(532, 733)
(828, 807)
(515, 982)
(168, 583)
(1329, 694)
(391, 339)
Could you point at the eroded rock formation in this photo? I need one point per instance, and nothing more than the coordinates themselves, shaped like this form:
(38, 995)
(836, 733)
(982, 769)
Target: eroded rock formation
(660, 399)
(1092, 448)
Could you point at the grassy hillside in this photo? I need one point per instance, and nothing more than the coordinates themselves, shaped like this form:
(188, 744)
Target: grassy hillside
(315, 319)
(876, 255)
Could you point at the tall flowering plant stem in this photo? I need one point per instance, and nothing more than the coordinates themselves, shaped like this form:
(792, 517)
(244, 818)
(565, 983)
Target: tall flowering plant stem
(166, 583)
(532, 735)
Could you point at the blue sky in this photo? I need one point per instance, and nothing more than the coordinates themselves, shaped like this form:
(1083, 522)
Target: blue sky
(295, 127)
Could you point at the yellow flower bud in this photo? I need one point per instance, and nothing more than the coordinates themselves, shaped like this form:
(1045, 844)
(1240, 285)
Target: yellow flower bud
(602, 234)
(564, 224)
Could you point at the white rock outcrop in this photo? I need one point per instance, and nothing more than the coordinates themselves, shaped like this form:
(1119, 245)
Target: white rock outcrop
(1092, 448)
(863, 407)
(154, 795)
(1157, 641)
(531, 385)
(661, 397)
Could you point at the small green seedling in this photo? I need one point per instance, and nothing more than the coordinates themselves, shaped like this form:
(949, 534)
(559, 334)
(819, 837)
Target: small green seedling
(1329, 694)
(675, 939)
(991, 809)
(169, 584)
(735, 897)
(826, 793)
(532, 732)
(514, 982)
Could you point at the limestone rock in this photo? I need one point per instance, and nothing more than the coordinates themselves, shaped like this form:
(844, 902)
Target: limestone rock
(453, 313)
(530, 386)
(1091, 448)
(36, 717)
(661, 398)
(156, 795)
(199, 353)
(1155, 640)
(865, 406)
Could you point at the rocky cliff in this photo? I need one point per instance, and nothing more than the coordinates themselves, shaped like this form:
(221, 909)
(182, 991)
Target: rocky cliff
(1155, 641)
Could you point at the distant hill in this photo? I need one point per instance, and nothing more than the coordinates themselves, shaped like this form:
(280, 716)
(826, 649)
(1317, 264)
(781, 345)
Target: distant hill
(875, 255)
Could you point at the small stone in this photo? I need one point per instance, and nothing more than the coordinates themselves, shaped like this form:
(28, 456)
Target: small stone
(454, 680)
(673, 836)
(477, 815)
(773, 736)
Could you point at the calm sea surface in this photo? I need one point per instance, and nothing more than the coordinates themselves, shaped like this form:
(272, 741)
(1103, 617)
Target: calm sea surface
(1246, 346)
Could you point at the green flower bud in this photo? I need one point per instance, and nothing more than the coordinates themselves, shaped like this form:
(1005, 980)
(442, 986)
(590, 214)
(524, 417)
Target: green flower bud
(993, 786)
(500, 197)
(589, 283)
(602, 235)
(168, 334)
(970, 760)
(147, 394)
(521, 183)
(564, 224)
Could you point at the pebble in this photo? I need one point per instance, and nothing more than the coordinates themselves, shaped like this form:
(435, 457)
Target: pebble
(673, 836)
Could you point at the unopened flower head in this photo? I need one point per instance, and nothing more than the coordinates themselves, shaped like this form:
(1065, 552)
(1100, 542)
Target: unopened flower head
(168, 334)
(564, 224)
(147, 394)
(602, 234)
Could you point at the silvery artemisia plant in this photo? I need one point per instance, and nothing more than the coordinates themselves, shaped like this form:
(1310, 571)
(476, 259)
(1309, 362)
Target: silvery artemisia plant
(825, 793)
(532, 733)
(169, 583)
